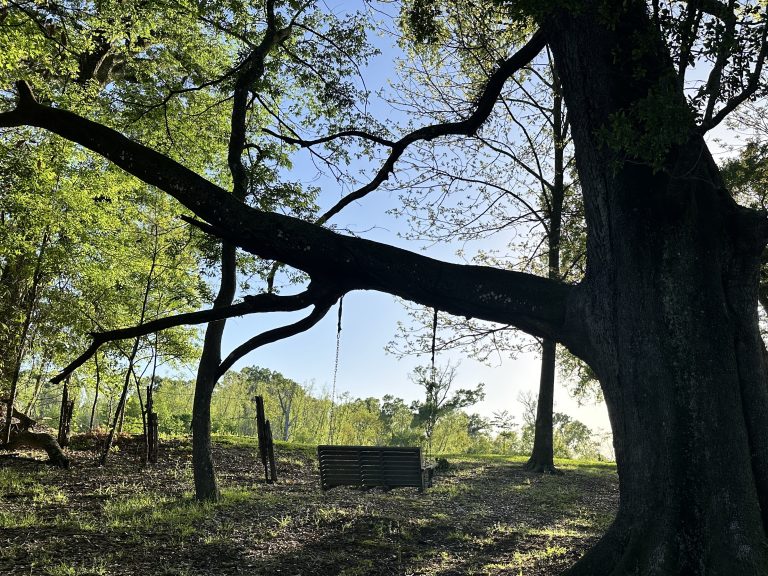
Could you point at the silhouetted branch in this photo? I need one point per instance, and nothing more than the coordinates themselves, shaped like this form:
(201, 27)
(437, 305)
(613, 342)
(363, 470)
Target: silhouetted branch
(249, 305)
(320, 310)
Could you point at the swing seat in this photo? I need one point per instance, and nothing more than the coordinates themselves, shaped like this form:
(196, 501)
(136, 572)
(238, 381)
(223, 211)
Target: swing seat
(370, 466)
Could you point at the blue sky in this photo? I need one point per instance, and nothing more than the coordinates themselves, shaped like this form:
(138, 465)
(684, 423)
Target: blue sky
(370, 319)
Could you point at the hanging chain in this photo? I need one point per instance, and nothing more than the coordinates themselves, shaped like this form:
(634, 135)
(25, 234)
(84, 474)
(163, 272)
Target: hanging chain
(335, 373)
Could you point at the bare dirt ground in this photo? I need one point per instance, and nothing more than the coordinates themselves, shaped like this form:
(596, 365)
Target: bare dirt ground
(483, 516)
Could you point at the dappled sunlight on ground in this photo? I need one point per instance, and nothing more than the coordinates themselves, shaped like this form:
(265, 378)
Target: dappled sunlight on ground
(483, 516)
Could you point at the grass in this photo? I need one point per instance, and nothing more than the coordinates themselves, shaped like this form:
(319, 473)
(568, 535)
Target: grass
(484, 516)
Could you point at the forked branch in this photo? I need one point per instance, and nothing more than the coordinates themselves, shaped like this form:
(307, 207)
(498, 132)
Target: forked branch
(535, 305)
(250, 305)
(320, 310)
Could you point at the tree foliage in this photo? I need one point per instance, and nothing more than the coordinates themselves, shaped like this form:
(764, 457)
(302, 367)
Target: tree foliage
(666, 313)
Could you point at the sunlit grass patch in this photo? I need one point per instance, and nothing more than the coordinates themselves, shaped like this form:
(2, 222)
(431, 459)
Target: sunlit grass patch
(556, 532)
(28, 485)
(183, 516)
(450, 489)
(13, 481)
(501, 529)
(235, 496)
(23, 519)
(521, 560)
(76, 521)
(48, 495)
(97, 568)
(596, 467)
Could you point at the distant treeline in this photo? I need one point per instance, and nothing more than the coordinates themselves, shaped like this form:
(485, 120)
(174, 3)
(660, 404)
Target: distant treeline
(299, 413)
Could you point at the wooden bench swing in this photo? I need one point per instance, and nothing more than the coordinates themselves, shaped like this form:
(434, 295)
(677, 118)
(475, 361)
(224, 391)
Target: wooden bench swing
(371, 466)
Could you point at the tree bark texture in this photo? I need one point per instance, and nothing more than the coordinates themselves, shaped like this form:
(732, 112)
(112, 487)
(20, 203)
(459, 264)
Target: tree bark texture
(669, 313)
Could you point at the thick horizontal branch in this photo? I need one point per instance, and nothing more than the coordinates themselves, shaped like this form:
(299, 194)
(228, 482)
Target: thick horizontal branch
(250, 305)
(533, 304)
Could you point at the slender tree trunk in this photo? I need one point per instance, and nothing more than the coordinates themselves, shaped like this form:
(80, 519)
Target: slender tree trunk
(207, 376)
(542, 456)
(38, 385)
(117, 423)
(145, 412)
(32, 298)
(210, 359)
(137, 381)
(667, 319)
(120, 412)
(121, 408)
(286, 403)
(96, 395)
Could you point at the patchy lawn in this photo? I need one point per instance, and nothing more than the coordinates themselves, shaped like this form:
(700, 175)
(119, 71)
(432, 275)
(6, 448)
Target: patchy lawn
(484, 516)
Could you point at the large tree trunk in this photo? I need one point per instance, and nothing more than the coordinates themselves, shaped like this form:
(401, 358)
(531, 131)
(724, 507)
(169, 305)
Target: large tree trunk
(670, 304)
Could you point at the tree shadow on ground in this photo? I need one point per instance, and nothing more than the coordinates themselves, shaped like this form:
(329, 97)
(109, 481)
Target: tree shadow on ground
(484, 517)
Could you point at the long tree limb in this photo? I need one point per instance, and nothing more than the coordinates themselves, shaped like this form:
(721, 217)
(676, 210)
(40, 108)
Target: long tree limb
(320, 310)
(535, 305)
(485, 102)
(468, 126)
(250, 305)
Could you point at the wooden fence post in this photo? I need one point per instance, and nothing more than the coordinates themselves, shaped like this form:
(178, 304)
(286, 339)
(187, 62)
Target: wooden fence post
(266, 450)
(153, 442)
